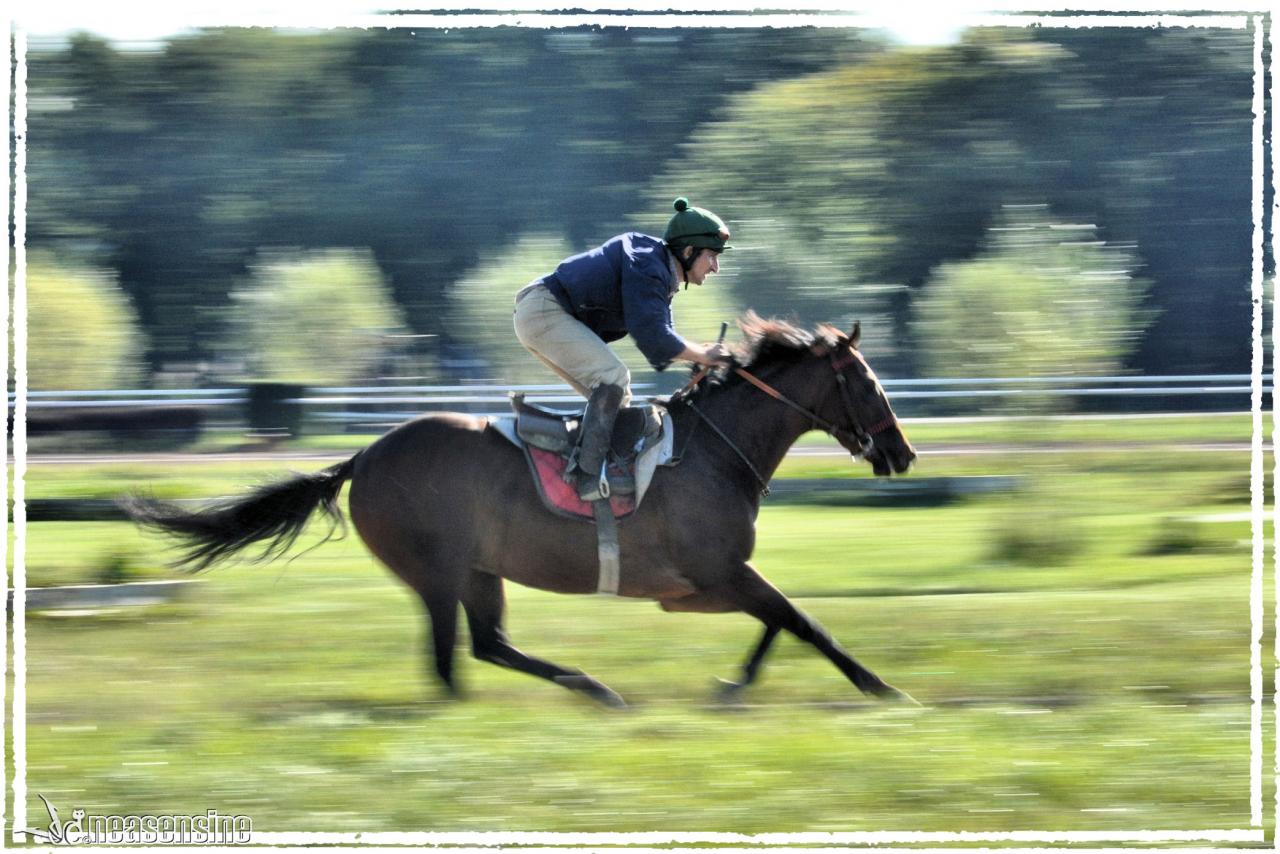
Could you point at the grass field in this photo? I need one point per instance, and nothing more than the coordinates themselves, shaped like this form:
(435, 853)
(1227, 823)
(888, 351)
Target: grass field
(1081, 646)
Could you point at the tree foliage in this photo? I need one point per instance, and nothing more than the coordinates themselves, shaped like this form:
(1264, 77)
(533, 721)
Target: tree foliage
(484, 300)
(1040, 299)
(853, 183)
(81, 330)
(315, 317)
(848, 171)
(430, 147)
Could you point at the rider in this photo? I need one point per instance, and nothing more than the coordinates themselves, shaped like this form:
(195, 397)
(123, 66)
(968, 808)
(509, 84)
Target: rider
(623, 286)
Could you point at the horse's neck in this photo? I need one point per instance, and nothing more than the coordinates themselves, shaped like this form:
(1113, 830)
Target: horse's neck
(764, 429)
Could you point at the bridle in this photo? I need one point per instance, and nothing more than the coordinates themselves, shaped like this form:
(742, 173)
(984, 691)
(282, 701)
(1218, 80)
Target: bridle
(865, 437)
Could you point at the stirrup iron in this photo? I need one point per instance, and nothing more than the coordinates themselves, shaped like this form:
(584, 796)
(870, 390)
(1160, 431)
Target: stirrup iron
(596, 489)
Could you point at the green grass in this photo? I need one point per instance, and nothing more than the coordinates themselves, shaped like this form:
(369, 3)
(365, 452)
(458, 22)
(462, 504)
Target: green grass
(1109, 691)
(299, 701)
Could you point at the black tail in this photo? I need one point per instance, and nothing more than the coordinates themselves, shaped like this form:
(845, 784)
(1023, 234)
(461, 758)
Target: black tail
(276, 512)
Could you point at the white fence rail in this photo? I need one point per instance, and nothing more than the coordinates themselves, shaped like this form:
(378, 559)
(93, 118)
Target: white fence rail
(353, 404)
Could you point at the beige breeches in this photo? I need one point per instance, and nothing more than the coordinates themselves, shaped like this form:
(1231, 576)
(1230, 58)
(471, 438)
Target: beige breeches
(566, 345)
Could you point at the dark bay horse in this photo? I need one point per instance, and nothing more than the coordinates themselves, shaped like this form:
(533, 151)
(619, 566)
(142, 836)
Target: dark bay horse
(449, 505)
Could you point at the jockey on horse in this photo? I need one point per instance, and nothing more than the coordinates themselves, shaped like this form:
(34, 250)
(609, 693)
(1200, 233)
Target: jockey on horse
(624, 286)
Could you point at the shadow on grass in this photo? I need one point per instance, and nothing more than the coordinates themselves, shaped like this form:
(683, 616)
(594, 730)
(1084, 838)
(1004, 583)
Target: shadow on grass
(351, 710)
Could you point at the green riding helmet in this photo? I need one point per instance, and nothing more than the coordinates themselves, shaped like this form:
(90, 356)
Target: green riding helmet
(696, 227)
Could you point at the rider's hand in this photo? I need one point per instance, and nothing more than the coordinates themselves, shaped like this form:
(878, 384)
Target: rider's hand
(710, 355)
(717, 354)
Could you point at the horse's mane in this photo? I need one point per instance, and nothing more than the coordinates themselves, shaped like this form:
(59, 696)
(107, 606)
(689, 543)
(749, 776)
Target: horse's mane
(769, 341)
(766, 340)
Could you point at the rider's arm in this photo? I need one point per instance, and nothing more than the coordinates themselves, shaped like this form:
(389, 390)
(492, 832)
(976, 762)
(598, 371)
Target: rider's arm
(646, 306)
(648, 317)
(648, 285)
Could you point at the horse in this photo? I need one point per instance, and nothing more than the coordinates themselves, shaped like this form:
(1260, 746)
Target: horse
(449, 506)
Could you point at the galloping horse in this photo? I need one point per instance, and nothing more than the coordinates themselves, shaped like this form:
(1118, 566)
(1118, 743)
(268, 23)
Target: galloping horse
(449, 505)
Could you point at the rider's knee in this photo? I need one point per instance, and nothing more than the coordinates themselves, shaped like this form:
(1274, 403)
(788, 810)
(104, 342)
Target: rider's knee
(617, 375)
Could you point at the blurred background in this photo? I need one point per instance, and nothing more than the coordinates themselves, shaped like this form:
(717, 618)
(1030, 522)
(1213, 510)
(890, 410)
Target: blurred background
(208, 209)
(263, 246)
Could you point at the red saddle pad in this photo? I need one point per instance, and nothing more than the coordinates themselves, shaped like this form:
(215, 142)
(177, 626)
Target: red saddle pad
(562, 496)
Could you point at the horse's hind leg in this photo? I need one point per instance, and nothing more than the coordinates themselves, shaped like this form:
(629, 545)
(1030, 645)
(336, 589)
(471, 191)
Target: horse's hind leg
(484, 601)
(442, 608)
(753, 594)
(435, 572)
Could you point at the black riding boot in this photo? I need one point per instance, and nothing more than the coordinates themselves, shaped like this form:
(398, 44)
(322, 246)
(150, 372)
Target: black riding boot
(597, 430)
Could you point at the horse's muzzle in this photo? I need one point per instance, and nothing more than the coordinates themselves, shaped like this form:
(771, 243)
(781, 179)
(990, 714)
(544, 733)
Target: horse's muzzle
(890, 456)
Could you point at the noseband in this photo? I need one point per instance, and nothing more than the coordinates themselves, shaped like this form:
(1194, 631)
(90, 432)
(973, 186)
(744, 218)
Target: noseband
(863, 436)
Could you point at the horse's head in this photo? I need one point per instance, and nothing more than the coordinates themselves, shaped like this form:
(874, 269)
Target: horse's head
(825, 372)
(869, 428)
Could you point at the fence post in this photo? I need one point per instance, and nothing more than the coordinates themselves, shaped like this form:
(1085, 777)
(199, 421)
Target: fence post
(273, 409)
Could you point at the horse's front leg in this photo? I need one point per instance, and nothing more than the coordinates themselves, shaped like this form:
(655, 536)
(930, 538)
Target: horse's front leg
(751, 667)
(753, 594)
(714, 604)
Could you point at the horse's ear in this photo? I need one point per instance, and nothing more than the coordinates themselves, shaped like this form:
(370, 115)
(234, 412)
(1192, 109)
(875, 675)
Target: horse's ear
(856, 335)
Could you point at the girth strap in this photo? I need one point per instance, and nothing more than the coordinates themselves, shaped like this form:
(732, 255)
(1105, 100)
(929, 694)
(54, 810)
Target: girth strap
(610, 554)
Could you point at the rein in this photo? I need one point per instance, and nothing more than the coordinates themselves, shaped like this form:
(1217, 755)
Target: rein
(764, 484)
(864, 437)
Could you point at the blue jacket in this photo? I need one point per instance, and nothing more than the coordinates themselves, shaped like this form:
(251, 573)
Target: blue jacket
(624, 286)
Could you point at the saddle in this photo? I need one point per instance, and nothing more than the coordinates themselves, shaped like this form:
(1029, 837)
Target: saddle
(641, 442)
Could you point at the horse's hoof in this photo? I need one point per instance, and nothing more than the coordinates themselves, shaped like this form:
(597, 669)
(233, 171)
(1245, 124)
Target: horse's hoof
(895, 695)
(607, 697)
(729, 693)
(601, 693)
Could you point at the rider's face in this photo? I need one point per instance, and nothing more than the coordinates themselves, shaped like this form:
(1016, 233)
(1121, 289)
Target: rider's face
(704, 264)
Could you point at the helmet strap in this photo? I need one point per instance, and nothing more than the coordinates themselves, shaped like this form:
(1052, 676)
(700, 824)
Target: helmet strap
(685, 264)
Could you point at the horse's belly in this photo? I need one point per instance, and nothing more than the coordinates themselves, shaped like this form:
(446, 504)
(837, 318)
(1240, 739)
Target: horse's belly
(572, 567)
(541, 576)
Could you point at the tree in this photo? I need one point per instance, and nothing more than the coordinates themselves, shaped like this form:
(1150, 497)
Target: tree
(848, 171)
(313, 317)
(81, 329)
(427, 146)
(853, 183)
(483, 301)
(1041, 299)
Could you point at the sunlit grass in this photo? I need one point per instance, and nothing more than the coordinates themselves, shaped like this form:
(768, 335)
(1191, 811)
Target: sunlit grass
(301, 701)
